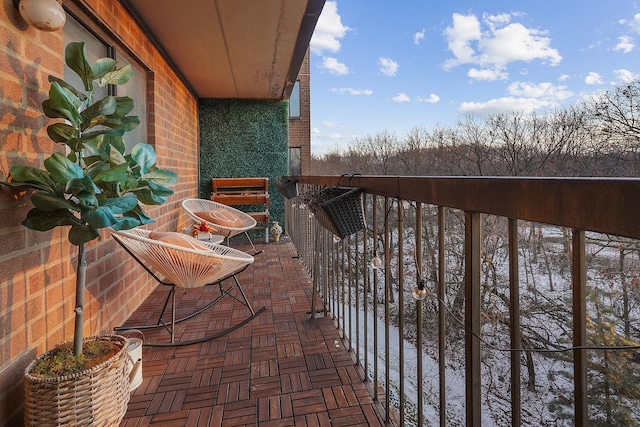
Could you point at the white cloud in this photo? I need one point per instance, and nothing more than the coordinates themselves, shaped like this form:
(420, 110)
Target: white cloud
(465, 29)
(504, 105)
(634, 23)
(487, 74)
(354, 92)
(563, 77)
(547, 91)
(418, 37)
(593, 79)
(388, 67)
(334, 66)
(625, 76)
(625, 44)
(432, 99)
(401, 97)
(329, 30)
(524, 97)
(329, 124)
(502, 42)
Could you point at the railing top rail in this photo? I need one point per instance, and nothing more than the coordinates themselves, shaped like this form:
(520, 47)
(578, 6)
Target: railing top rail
(606, 205)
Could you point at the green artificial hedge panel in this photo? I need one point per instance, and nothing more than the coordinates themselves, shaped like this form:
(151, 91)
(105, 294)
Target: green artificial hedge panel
(244, 138)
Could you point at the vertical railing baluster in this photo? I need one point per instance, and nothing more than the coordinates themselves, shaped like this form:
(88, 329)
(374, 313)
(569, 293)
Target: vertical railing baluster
(365, 293)
(442, 317)
(350, 289)
(387, 299)
(419, 374)
(374, 307)
(325, 270)
(579, 284)
(316, 274)
(514, 324)
(341, 296)
(357, 295)
(401, 307)
(472, 319)
(336, 276)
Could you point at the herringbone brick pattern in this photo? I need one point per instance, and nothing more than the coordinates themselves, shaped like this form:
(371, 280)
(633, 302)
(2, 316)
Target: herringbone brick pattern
(281, 369)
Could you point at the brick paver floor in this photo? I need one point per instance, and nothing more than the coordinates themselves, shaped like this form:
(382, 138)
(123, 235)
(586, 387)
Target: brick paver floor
(280, 369)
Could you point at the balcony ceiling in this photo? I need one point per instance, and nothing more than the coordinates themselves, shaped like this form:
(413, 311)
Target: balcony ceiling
(248, 49)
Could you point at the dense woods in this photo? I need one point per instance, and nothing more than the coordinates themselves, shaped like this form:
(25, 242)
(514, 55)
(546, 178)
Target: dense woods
(598, 137)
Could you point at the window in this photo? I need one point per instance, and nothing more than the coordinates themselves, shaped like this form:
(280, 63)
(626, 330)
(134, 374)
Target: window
(136, 88)
(295, 167)
(73, 32)
(294, 101)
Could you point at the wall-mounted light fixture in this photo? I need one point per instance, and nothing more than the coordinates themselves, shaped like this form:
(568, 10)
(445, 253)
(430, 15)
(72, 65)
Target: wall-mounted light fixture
(45, 15)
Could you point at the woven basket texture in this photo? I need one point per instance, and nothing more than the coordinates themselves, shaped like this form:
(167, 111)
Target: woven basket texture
(339, 210)
(289, 189)
(95, 397)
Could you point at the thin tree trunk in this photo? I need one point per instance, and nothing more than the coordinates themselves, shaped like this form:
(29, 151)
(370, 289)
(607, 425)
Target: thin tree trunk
(81, 270)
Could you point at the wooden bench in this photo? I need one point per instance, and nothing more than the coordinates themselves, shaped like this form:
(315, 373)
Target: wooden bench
(252, 191)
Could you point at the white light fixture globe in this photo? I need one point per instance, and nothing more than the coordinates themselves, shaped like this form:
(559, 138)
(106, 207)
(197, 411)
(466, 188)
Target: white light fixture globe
(45, 15)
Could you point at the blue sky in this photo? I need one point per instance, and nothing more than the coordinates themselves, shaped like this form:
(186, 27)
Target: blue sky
(391, 65)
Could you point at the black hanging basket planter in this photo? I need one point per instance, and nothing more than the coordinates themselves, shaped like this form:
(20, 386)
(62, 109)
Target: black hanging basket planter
(339, 210)
(288, 188)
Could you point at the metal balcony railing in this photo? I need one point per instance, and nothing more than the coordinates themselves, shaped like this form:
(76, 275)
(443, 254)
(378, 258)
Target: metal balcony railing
(438, 236)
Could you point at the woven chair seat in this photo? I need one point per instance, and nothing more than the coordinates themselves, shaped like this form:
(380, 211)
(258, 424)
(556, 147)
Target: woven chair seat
(180, 266)
(191, 206)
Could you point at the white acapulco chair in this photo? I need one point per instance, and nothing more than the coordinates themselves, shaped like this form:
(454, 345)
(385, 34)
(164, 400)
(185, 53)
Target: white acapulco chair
(228, 221)
(181, 261)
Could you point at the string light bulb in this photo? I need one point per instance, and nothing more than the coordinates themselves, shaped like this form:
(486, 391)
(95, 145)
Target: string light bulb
(336, 239)
(419, 292)
(376, 262)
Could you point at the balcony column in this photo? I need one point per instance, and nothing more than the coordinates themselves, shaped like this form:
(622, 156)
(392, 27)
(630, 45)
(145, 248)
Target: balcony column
(579, 284)
(472, 323)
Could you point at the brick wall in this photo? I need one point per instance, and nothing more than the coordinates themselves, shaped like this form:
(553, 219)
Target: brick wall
(37, 269)
(300, 128)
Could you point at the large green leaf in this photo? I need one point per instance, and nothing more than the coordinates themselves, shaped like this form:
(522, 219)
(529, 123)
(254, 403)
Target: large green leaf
(126, 223)
(95, 165)
(81, 95)
(117, 77)
(116, 157)
(97, 112)
(127, 122)
(125, 105)
(140, 215)
(100, 217)
(62, 169)
(61, 132)
(161, 177)
(84, 183)
(148, 198)
(79, 234)
(29, 174)
(64, 102)
(159, 190)
(113, 174)
(40, 220)
(50, 112)
(144, 156)
(48, 202)
(75, 55)
(87, 199)
(121, 205)
(103, 66)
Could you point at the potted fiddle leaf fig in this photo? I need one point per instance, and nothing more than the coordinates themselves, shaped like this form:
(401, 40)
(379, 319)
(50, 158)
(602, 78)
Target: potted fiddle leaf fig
(94, 185)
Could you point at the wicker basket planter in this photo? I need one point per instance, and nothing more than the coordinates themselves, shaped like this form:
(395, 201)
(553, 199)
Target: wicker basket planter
(288, 187)
(339, 210)
(95, 397)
